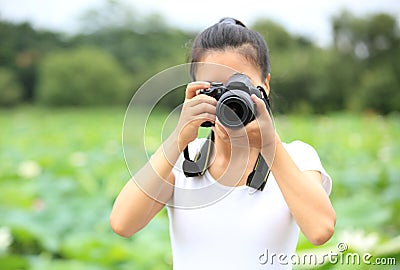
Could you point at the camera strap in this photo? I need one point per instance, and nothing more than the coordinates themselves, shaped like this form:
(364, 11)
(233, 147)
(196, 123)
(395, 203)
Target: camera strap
(265, 99)
(198, 166)
(259, 176)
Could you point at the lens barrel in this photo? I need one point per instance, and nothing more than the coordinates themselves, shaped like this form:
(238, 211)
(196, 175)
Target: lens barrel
(235, 109)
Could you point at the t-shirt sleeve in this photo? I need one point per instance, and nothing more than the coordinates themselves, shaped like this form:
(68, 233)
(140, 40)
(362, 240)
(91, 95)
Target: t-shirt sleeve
(307, 159)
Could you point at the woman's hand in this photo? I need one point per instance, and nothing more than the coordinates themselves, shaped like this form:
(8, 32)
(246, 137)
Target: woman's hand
(259, 133)
(195, 110)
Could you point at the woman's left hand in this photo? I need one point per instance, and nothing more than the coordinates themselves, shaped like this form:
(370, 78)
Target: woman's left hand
(259, 133)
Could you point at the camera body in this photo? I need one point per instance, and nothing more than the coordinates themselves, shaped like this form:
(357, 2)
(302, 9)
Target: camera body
(235, 108)
(216, 90)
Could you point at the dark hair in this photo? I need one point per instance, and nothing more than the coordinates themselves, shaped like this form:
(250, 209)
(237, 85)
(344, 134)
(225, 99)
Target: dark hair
(230, 33)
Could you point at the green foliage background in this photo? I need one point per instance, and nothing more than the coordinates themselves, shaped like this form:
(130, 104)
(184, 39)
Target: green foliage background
(61, 167)
(83, 76)
(356, 72)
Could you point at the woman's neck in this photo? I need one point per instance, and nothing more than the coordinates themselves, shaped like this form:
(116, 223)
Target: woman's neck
(231, 164)
(228, 149)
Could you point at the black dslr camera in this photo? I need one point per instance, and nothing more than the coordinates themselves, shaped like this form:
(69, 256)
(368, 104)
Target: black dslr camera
(235, 108)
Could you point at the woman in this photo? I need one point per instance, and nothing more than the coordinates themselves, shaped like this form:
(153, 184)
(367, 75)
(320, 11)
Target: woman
(242, 228)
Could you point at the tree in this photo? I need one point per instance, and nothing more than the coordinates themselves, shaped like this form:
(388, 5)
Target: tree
(10, 89)
(373, 45)
(21, 50)
(298, 71)
(83, 76)
(143, 45)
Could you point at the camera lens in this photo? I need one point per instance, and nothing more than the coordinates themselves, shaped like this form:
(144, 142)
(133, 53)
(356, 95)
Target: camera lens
(235, 109)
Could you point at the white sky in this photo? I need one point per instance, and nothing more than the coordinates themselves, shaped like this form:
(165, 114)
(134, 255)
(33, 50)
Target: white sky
(306, 17)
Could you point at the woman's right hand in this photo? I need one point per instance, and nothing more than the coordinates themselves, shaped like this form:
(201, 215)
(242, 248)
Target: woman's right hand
(195, 110)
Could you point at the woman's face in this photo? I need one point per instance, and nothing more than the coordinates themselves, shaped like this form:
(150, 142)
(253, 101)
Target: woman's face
(226, 63)
(218, 67)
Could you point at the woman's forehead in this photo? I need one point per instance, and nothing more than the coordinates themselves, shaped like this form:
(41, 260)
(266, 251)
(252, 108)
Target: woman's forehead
(212, 72)
(220, 66)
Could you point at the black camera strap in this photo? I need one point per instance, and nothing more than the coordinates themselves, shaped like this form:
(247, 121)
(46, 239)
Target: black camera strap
(259, 176)
(265, 99)
(198, 166)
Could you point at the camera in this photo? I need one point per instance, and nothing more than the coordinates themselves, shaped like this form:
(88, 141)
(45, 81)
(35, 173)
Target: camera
(235, 108)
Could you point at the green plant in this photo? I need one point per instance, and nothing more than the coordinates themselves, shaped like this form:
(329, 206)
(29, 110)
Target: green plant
(83, 76)
(10, 89)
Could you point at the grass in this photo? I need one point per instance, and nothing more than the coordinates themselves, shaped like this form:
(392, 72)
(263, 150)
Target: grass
(60, 170)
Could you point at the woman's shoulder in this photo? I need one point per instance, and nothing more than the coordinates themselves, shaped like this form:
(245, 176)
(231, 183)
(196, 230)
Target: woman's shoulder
(303, 154)
(298, 146)
(306, 158)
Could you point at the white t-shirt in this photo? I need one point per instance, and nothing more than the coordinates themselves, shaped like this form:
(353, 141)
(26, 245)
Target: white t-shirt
(218, 227)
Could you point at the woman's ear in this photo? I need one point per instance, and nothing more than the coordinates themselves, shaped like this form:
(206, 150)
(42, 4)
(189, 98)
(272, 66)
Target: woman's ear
(266, 83)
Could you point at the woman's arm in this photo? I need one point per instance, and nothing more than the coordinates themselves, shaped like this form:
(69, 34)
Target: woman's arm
(152, 186)
(146, 193)
(307, 200)
(303, 192)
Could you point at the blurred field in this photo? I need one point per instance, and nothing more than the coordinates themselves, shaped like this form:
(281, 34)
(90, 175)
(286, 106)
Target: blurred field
(60, 170)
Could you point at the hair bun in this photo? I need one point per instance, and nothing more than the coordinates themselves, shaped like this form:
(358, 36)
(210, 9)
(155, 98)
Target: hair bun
(232, 21)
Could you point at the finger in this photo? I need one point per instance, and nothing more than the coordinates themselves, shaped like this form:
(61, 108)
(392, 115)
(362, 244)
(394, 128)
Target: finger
(203, 107)
(201, 118)
(204, 98)
(199, 100)
(260, 105)
(195, 86)
(207, 117)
